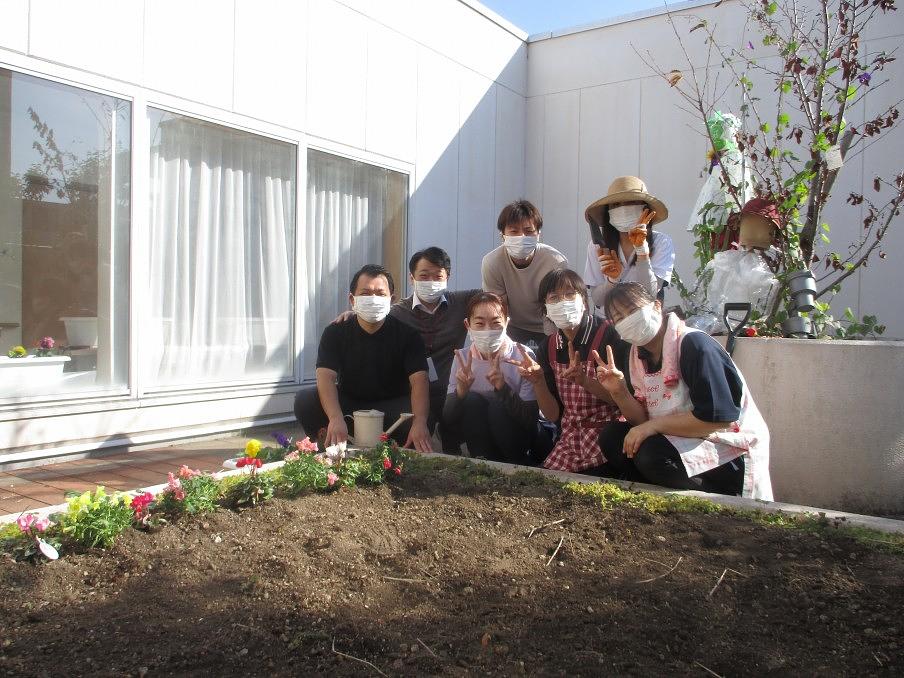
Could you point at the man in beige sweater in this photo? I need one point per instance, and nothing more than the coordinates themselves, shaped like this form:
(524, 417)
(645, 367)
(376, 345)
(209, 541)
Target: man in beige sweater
(515, 268)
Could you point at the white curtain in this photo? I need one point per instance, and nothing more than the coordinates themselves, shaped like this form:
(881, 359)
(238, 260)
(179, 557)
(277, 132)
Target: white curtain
(222, 228)
(345, 223)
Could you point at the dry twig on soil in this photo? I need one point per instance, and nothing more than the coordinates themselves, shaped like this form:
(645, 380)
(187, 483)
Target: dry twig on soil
(427, 647)
(647, 581)
(543, 527)
(708, 670)
(414, 581)
(713, 590)
(357, 659)
(554, 553)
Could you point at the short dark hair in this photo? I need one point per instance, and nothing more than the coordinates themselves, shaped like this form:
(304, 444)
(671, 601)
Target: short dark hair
(631, 294)
(435, 255)
(518, 211)
(562, 279)
(486, 298)
(372, 271)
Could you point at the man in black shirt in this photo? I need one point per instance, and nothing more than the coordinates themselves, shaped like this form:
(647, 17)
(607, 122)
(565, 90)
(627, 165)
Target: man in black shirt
(369, 361)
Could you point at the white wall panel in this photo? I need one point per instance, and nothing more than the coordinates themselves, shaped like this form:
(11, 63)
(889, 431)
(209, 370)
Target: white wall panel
(560, 174)
(534, 146)
(477, 232)
(610, 121)
(391, 94)
(881, 282)
(672, 155)
(337, 73)
(434, 208)
(510, 136)
(189, 49)
(271, 60)
(105, 36)
(14, 25)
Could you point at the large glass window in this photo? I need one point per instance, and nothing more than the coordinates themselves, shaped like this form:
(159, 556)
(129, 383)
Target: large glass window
(64, 239)
(222, 224)
(356, 215)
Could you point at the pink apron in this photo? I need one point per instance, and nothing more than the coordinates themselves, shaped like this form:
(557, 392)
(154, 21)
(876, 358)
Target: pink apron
(583, 415)
(664, 393)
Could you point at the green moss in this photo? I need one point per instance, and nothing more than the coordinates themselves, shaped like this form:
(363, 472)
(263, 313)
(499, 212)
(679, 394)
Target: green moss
(610, 495)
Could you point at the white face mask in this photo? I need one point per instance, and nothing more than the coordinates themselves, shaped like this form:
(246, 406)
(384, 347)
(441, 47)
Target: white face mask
(567, 313)
(487, 341)
(625, 218)
(372, 309)
(640, 327)
(520, 246)
(429, 291)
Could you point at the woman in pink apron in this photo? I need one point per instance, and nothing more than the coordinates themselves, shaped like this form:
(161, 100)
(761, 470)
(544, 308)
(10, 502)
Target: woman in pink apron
(693, 424)
(563, 374)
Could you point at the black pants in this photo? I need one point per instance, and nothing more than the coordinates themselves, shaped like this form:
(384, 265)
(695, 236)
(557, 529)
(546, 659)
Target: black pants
(491, 432)
(658, 462)
(312, 418)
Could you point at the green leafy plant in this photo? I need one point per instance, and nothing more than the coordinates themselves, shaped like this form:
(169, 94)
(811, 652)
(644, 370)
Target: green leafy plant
(189, 491)
(17, 352)
(254, 488)
(96, 518)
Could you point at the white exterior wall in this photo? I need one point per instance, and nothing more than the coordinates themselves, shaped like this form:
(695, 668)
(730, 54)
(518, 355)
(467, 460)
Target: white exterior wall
(595, 112)
(433, 89)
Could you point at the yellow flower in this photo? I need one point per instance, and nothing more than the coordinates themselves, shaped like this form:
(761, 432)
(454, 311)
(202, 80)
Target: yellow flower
(253, 448)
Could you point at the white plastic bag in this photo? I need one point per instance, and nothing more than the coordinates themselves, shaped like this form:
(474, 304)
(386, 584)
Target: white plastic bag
(733, 276)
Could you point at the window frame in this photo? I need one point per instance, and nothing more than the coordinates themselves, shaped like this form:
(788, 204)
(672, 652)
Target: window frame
(137, 394)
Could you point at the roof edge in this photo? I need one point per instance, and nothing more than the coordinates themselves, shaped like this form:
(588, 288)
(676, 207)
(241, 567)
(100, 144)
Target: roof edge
(622, 19)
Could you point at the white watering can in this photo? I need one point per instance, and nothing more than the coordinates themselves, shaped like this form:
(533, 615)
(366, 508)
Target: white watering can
(369, 426)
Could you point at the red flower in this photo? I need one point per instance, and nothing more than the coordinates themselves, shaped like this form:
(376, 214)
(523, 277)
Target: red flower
(398, 470)
(387, 463)
(749, 331)
(249, 461)
(257, 463)
(384, 437)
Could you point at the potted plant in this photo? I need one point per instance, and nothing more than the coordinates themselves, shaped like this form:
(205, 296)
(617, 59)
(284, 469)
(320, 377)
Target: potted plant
(21, 372)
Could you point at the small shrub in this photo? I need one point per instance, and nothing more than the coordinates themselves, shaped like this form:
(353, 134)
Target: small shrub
(254, 488)
(189, 492)
(96, 518)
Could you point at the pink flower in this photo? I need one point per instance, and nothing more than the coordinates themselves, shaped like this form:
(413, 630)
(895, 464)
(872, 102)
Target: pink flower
(292, 456)
(384, 437)
(179, 494)
(306, 445)
(185, 472)
(387, 463)
(173, 482)
(398, 470)
(331, 478)
(25, 522)
(41, 524)
(141, 502)
(47, 343)
(323, 459)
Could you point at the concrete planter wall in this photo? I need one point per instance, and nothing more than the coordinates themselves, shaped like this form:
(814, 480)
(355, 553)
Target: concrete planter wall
(835, 411)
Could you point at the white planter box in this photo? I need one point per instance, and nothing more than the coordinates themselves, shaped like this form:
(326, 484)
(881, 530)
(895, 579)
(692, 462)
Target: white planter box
(30, 373)
(81, 331)
(836, 420)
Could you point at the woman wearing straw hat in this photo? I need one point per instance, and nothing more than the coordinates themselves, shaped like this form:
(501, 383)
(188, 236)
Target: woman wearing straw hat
(623, 248)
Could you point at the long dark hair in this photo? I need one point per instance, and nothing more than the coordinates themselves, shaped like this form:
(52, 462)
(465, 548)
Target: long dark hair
(606, 235)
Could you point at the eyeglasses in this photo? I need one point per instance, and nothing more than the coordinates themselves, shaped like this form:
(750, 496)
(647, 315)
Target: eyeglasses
(555, 298)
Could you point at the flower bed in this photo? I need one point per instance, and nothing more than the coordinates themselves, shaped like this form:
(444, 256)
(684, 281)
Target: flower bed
(454, 568)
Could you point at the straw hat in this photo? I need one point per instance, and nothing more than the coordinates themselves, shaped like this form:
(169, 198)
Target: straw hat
(625, 189)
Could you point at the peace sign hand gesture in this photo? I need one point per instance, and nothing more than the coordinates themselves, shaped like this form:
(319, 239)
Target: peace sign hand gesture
(575, 371)
(638, 234)
(607, 374)
(495, 375)
(464, 376)
(528, 368)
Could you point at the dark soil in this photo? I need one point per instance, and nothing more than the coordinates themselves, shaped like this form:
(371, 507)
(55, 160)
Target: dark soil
(434, 574)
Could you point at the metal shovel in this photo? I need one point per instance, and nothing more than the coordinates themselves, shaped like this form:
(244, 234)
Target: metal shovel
(734, 331)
